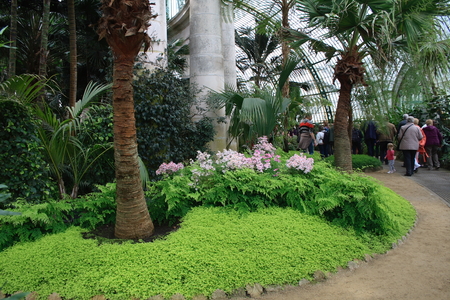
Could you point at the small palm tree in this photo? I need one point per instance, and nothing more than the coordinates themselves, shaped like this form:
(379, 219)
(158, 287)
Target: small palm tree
(260, 113)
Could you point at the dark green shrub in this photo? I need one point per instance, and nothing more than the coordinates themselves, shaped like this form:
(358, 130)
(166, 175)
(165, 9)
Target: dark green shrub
(22, 167)
(165, 129)
(98, 130)
(360, 161)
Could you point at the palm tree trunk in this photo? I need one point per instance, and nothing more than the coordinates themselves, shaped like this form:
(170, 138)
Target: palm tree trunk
(342, 149)
(13, 39)
(73, 53)
(133, 219)
(124, 24)
(44, 39)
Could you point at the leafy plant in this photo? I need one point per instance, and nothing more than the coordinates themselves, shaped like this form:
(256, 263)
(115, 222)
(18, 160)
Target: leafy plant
(37, 220)
(247, 184)
(22, 165)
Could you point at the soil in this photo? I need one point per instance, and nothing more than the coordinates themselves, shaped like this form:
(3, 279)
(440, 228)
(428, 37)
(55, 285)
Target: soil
(106, 232)
(418, 269)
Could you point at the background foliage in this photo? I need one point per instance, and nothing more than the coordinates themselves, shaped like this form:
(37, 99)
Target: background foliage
(22, 167)
(164, 123)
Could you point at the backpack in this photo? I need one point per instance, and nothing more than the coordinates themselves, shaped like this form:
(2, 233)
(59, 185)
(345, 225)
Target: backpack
(326, 137)
(355, 135)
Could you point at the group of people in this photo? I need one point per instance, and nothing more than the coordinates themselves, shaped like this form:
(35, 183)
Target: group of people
(418, 144)
(307, 140)
(414, 141)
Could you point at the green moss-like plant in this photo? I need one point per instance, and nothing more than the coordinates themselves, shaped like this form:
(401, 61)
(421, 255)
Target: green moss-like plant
(214, 248)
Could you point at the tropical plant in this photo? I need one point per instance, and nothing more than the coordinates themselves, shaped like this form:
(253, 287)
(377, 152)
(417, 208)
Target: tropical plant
(259, 114)
(124, 26)
(62, 149)
(22, 165)
(258, 55)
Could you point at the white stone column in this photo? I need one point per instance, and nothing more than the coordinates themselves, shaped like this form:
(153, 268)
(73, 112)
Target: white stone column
(229, 53)
(206, 57)
(158, 33)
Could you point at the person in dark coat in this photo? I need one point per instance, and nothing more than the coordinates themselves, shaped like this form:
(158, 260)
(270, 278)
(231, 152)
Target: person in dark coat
(409, 137)
(432, 144)
(370, 137)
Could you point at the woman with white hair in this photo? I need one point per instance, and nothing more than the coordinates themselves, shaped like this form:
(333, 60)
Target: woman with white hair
(409, 137)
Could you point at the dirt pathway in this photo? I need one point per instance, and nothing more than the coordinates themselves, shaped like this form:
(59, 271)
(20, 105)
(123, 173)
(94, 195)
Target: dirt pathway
(418, 269)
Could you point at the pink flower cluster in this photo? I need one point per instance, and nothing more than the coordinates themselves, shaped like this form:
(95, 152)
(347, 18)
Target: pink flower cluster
(300, 162)
(232, 160)
(264, 146)
(169, 168)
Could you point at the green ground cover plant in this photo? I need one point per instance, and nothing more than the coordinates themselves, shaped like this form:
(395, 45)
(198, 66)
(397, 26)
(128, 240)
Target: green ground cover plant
(215, 248)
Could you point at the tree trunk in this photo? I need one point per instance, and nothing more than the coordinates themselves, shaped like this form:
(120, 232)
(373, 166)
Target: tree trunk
(124, 24)
(133, 219)
(342, 149)
(13, 39)
(73, 53)
(44, 39)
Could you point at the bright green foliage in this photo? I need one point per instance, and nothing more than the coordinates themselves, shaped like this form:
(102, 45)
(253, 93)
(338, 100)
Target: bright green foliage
(214, 248)
(165, 129)
(360, 161)
(56, 216)
(349, 200)
(22, 167)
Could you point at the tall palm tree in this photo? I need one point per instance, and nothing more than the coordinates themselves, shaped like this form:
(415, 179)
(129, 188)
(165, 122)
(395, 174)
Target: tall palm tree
(13, 39)
(258, 54)
(44, 38)
(124, 24)
(361, 29)
(72, 53)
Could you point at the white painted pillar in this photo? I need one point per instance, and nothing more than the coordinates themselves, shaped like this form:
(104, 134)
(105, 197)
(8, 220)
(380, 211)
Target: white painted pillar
(206, 57)
(158, 34)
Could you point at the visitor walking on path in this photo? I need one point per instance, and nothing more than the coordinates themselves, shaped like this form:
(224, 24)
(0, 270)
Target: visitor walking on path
(390, 157)
(433, 143)
(409, 137)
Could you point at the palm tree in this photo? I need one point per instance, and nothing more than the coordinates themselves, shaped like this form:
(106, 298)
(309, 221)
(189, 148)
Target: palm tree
(361, 29)
(124, 25)
(257, 54)
(72, 53)
(44, 38)
(258, 114)
(13, 38)
(63, 152)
